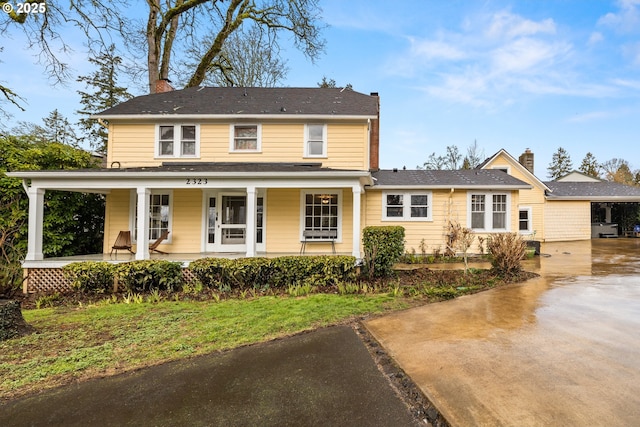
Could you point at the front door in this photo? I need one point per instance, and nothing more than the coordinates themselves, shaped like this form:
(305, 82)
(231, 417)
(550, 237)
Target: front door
(226, 222)
(232, 226)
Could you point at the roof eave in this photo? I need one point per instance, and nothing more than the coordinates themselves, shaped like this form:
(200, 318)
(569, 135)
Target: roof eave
(449, 187)
(183, 117)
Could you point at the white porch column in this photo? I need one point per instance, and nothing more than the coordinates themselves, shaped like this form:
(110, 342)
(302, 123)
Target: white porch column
(36, 218)
(251, 221)
(142, 251)
(357, 191)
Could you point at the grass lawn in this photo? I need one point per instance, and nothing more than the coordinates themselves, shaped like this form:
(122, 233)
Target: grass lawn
(82, 342)
(75, 342)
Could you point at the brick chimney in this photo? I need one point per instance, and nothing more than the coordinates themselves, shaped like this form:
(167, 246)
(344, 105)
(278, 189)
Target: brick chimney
(163, 85)
(526, 160)
(374, 138)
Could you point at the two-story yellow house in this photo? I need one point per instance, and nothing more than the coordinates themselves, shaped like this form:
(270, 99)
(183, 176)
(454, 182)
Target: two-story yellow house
(264, 171)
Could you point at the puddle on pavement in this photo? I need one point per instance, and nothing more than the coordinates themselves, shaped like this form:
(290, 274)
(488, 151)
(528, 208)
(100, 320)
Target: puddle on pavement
(561, 349)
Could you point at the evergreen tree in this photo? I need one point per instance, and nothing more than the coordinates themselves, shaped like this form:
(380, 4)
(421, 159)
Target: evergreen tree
(590, 166)
(56, 128)
(105, 94)
(560, 165)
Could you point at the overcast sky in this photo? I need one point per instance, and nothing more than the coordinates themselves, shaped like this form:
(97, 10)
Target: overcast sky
(508, 74)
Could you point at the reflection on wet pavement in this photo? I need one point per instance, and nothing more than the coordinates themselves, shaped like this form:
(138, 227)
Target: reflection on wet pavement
(562, 349)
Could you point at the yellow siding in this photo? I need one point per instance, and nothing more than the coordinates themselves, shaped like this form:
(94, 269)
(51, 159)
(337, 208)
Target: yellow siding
(567, 220)
(284, 212)
(133, 144)
(533, 198)
(186, 232)
(116, 216)
(446, 207)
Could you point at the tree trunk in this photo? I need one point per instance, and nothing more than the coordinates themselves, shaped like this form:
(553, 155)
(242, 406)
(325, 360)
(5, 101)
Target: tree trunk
(12, 324)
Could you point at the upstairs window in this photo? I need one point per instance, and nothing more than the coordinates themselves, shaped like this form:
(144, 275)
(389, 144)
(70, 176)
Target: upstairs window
(315, 141)
(406, 206)
(245, 138)
(177, 141)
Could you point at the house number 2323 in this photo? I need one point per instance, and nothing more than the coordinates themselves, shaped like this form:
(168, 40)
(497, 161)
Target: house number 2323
(197, 181)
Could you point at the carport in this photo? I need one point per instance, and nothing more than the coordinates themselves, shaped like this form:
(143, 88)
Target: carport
(615, 207)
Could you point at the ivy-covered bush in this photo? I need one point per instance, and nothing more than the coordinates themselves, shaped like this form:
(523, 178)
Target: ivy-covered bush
(90, 276)
(144, 275)
(262, 273)
(383, 247)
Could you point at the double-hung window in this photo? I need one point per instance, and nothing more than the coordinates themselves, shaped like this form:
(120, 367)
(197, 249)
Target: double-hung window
(524, 220)
(489, 212)
(406, 206)
(177, 141)
(315, 144)
(245, 137)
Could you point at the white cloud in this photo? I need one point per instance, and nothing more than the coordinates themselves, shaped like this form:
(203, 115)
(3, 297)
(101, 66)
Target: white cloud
(526, 55)
(630, 84)
(509, 26)
(435, 49)
(626, 20)
(589, 117)
(595, 38)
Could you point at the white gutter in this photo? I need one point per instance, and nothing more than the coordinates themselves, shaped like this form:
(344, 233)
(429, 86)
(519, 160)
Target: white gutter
(449, 187)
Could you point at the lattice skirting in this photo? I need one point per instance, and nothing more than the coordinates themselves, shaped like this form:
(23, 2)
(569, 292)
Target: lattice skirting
(53, 280)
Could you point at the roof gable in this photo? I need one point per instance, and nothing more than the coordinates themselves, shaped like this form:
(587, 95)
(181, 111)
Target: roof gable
(513, 162)
(253, 101)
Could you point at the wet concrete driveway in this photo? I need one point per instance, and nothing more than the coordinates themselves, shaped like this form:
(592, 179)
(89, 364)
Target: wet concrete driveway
(560, 350)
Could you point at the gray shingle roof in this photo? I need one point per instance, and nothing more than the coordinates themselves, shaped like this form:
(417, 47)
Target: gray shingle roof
(596, 191)
(249, 101)
(474, 178)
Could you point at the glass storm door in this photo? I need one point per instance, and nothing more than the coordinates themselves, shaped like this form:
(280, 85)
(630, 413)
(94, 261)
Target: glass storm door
(226, 222)
(232, 222)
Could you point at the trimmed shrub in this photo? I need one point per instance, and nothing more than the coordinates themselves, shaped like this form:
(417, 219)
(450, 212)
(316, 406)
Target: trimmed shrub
(383, 247)
(144, 275)
(322, 270)
(507, 251)
(244, 273)
(90, 276)
(281, 272)
(210, 271)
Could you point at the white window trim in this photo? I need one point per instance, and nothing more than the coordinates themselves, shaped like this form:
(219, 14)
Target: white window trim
(529, 229)
(324, 140)
(303, 204)
(232, 138)
(133, 209)
(177, 146)
(488, 212)
(504, 168)
(406, 206)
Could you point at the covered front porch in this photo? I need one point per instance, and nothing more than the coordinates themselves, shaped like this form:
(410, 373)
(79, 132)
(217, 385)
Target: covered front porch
(210, 209)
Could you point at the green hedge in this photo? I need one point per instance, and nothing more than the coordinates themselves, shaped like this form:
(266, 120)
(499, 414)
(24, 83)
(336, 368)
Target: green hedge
(144, 275)
(263, 273)
(383, 247)
(89, 276)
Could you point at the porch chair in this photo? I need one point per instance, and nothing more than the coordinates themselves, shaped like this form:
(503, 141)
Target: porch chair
(123, 241)
(154, 246)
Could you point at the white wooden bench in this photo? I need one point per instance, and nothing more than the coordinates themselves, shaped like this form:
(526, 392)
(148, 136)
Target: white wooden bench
(319, 236)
